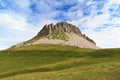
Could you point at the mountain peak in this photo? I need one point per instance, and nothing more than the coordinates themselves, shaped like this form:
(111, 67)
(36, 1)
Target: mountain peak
(62, 33)
(60, 26)
(63, 27)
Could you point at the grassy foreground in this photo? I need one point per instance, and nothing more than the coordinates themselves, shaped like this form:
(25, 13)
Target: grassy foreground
(54, 62)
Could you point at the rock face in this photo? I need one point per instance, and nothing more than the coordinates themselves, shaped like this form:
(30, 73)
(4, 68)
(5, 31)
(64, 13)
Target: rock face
(61, 33)
(62, 26)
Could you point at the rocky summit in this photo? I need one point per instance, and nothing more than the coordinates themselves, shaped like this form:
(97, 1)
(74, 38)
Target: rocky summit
(61, 33)
(61, 26)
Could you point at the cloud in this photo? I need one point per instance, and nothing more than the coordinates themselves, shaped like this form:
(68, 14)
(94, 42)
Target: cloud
(106, 38)
(99, 19)
(103, 27)
(14, 22)
(22, 4)
(12, 37)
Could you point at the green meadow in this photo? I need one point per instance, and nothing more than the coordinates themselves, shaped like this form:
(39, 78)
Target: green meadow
(56, 62)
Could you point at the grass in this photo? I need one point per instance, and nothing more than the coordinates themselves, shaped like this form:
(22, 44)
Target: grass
(58, 35)
(55, 62)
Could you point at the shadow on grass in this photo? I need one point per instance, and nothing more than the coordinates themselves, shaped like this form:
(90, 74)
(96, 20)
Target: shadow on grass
(115, 76)
(25, 72)
(41, 53)
(55, 53)
(48, 69)
(55, 68)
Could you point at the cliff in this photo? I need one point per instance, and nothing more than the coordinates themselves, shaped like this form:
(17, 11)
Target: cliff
(63, 27)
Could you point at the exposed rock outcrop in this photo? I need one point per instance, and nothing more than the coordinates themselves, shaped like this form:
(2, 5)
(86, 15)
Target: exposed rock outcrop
(87, 38)
(61, 33)
(62, 26)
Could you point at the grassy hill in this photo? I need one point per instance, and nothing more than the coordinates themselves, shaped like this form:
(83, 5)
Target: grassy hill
(54, 62)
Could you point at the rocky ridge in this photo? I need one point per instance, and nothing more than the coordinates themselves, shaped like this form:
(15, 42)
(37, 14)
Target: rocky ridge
(61, 33)
(62, 26)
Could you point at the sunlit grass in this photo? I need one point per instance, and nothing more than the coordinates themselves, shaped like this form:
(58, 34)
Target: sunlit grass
(55, 62)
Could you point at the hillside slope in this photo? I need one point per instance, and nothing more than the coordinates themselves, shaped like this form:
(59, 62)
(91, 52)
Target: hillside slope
(55, 62)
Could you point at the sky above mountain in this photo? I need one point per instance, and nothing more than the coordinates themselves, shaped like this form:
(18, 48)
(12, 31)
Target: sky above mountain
(20, 20)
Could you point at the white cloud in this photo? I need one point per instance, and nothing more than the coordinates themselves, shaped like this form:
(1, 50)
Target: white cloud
(23, 4)
(41, 6)
(97, 20)
(106, 38)
(13, 21)
(2, 47)
(12, 37)
(15, 29)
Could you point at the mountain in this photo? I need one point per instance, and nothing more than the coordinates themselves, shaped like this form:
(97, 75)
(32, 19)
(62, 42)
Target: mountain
(61, 33)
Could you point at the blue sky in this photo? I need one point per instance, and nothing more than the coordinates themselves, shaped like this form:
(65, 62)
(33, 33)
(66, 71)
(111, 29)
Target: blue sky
(20, 20)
